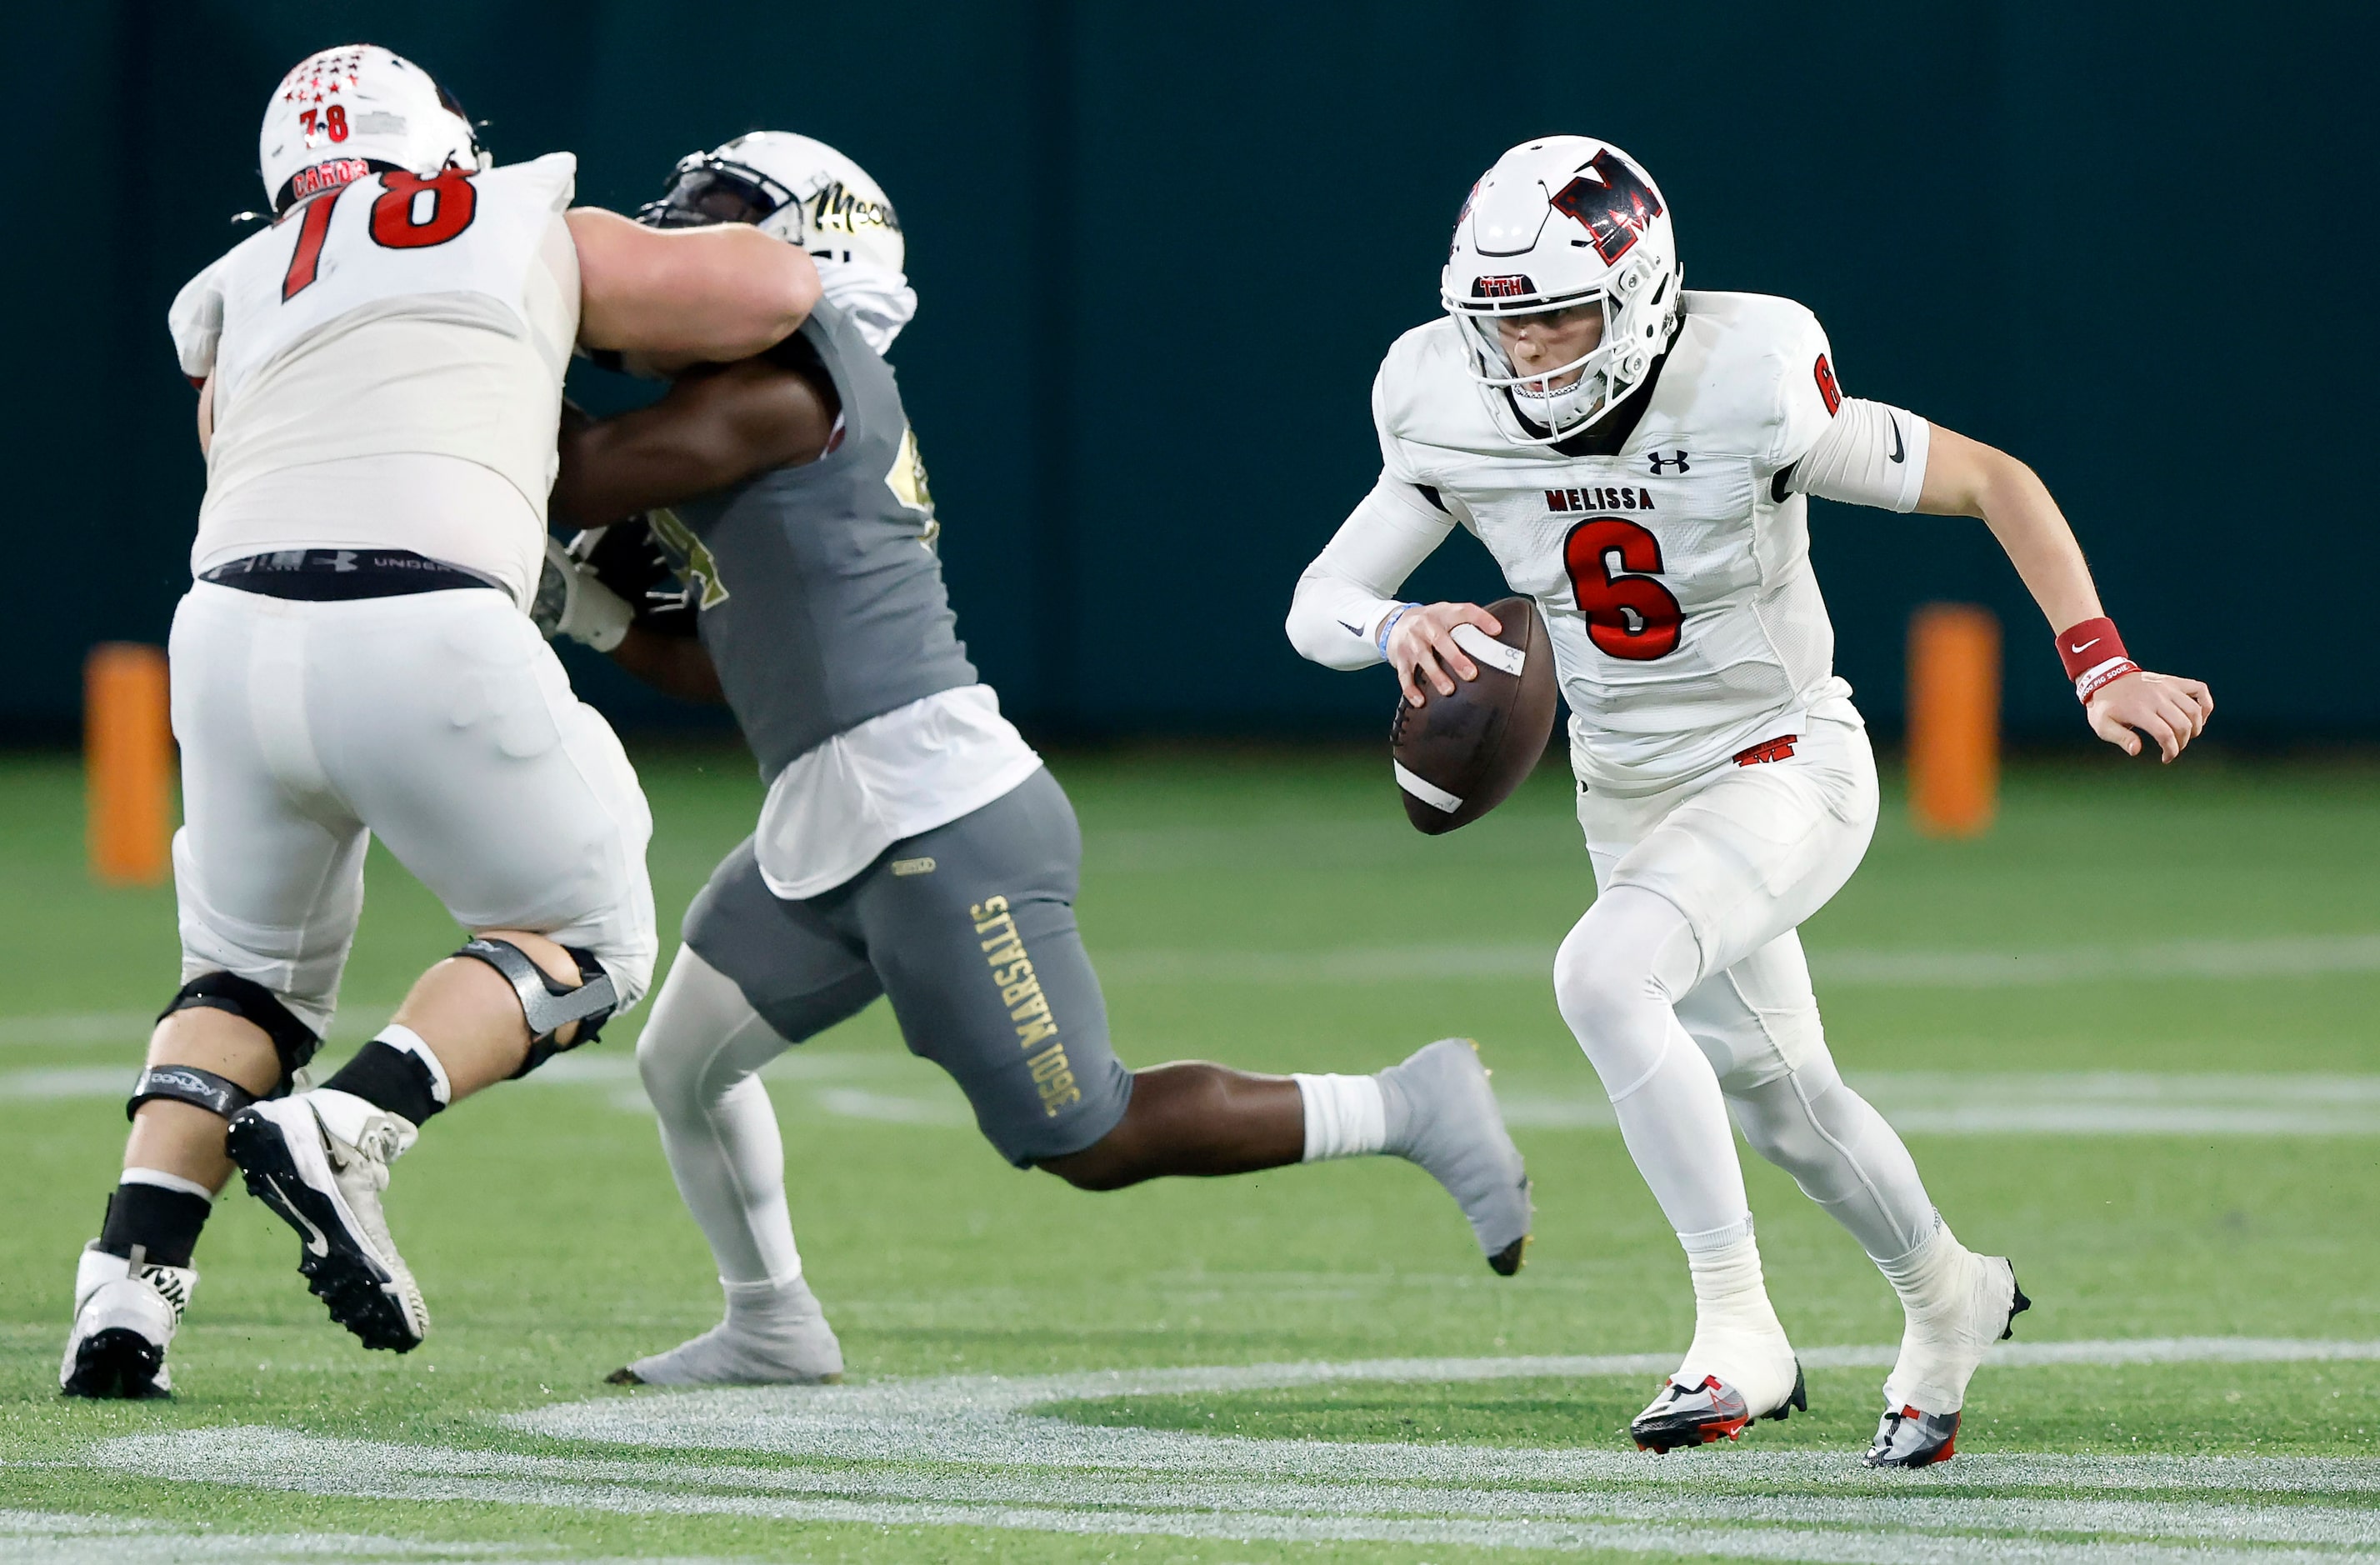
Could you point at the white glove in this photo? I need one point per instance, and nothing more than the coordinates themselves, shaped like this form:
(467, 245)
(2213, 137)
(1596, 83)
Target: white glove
(571, 601)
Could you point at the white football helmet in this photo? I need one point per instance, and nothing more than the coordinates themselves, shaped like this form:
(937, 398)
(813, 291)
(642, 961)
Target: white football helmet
(346, 111)
(806, 194)
(1558, 223)
(802, 191)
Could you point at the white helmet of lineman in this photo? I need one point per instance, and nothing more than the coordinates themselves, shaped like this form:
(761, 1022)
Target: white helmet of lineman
(806, 194)
(1560, 223)
(346, 111)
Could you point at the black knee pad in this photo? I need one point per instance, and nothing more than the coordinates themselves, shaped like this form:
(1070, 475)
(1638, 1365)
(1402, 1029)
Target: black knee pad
(187, 1084)
(293, 1043)
(548, 1005)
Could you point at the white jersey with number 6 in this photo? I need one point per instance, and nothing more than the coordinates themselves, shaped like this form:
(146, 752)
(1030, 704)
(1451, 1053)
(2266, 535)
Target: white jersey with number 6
(386, 366)
(1673, 565)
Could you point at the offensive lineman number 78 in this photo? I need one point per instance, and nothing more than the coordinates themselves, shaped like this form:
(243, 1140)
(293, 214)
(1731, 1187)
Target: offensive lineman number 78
(412, 213)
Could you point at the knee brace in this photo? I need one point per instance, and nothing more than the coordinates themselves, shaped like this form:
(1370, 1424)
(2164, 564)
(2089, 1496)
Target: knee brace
(548, 1005)
(293, 1044)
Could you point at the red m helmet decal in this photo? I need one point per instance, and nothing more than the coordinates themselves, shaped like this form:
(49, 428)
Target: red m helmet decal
(1612, 201)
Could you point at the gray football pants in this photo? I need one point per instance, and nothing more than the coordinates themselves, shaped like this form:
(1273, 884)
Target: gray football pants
(969, 929)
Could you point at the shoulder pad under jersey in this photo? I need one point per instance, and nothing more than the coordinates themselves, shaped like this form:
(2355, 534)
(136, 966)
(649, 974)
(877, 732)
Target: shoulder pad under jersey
(1750, 375)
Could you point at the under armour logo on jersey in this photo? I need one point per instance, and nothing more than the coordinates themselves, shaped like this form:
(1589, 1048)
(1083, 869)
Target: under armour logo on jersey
(1660, 462)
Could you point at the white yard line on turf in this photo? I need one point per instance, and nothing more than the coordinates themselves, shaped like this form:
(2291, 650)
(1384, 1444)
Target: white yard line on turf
(2052, 1103)
(1941, 1103)
(971, 1451)
(2278, 957)
(2284, 956)
(60, 1538)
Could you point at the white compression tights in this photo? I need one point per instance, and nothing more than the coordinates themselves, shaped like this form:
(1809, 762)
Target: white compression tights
(1619, 977)
(699, 1056)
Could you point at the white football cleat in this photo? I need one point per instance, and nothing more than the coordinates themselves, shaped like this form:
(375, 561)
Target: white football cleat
(1452, 1127)
(320, 1159)
(798, 1349)
(1940, 1348)
(1732, 1374)
(126, 1315)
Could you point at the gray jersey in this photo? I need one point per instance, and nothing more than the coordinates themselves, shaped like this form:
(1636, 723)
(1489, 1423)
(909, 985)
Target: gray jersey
(821, 598)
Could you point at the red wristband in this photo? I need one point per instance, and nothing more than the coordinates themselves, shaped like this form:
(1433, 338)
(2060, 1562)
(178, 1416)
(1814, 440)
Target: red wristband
(2094, 655)
(2085, 647)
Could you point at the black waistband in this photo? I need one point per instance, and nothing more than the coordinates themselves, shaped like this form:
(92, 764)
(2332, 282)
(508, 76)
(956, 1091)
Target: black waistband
(333, 575)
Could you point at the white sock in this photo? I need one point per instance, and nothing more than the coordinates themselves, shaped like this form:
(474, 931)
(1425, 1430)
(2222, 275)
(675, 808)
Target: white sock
(1730, 1291)
(1736, 1334)
(765, 1311)
(164, 1181)
(406, 1040)
(1929, 1275)
(1345, 1116)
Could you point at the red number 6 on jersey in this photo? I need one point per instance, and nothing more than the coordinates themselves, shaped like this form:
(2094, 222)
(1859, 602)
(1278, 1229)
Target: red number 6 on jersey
(1628, 614)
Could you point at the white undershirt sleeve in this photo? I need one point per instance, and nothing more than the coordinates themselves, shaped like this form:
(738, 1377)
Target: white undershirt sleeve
(1871, 453)
(1349, 588)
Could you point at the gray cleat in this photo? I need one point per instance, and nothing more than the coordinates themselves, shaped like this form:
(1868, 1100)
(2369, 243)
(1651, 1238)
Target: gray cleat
(799, 1351)
(1442, 1114)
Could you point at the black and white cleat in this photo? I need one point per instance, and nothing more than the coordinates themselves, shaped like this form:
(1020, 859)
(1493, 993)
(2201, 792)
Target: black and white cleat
(1443, 1115)
(126, 1315)
(320, 1159)
(1697, 1416)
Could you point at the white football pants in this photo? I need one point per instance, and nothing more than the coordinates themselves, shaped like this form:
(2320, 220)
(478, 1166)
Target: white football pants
(1687, 987)
(699, 1055)
(439, 721)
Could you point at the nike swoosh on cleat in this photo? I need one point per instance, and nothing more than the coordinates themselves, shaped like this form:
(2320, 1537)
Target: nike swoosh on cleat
(2085, 647)
(315, 1243)
(1899, 451)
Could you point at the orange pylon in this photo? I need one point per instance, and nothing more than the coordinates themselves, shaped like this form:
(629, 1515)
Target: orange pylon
(1954, 719)
(128, 764)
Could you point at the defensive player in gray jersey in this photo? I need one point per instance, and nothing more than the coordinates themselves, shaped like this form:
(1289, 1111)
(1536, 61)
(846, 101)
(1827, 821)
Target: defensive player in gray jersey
(912, 844)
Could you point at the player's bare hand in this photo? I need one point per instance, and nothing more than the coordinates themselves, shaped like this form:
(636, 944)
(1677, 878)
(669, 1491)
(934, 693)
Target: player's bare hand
(2170, 711)
(1421, 644)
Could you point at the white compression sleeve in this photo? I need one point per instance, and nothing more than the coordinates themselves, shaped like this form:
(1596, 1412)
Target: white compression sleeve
(1343, 594)
(699, 1055)
(1614, 978)
(1871, 455)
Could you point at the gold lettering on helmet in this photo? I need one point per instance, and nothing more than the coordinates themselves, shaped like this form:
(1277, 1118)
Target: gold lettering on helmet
(692, 557)
(834, 210)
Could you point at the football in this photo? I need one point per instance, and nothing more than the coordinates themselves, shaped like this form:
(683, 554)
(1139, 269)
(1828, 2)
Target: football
(1457, 757)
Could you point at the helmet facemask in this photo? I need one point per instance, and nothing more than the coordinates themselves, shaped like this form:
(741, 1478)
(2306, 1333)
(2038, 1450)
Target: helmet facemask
(1562, 400)
(707, 191)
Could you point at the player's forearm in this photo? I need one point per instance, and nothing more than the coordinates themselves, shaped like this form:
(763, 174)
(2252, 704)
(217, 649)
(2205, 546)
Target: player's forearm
(675, 666)
(710, 294)
(619, 467)
(1965, 477)
(1342, 597)
(1331, 620)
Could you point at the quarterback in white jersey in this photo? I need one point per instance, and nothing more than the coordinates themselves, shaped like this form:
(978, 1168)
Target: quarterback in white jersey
(380, 376)
(1637, 458)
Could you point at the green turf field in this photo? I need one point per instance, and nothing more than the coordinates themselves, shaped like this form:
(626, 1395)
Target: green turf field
(2130, 1037)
